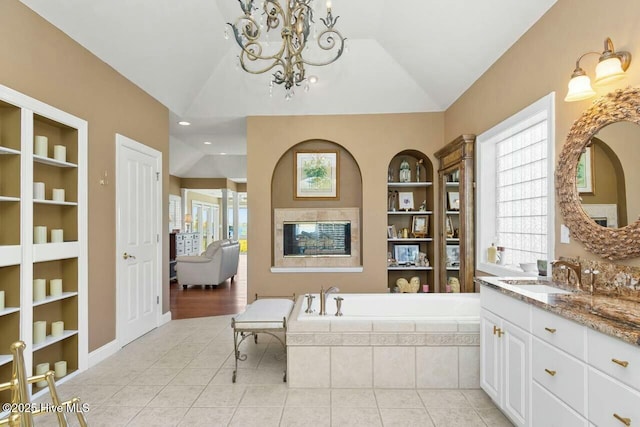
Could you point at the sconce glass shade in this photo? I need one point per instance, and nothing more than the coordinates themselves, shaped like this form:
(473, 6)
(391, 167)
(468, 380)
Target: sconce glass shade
(608, 71)
(579, 89)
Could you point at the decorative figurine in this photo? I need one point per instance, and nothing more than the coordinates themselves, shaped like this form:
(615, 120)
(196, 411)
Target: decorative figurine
(390, 174)
(405, 171)
(393, 195)
(454, 284)
(423, 261)
(418, 163)
(423, 206)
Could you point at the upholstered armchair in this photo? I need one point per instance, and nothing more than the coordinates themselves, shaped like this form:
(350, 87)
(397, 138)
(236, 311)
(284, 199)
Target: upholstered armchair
(216, 264)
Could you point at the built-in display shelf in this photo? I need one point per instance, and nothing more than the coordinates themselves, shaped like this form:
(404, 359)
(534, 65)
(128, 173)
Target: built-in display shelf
(453, 212)
(9, 199)
(10, 255)
(52, 340)
(9, 310)
(453, 268)
(453, 184)
(51, 251)
(413, 267)
(409, 212)
(5, 358)
(5, 150)
(54, 202)
(409, 184)
(53, 162)
(453, 239)
(49, 299)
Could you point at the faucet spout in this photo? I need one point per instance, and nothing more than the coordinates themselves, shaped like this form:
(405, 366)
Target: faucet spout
(323, 298)
(576, 268)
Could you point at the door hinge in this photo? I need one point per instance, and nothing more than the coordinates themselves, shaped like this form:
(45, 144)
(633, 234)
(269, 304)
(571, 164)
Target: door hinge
(157, 176)
(157, 299)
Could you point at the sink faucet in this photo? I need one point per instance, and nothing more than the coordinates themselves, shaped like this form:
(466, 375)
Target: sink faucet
(577, 269)
(323, 298)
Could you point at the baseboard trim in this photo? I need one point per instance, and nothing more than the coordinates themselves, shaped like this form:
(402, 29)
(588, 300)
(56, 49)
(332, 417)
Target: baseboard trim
(100, 354)
(165, 318)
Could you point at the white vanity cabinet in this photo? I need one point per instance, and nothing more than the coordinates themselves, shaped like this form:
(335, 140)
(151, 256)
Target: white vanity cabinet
(505, 354)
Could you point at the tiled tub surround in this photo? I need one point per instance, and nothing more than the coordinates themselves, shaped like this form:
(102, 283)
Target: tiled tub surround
(435, 346)
(618, 316)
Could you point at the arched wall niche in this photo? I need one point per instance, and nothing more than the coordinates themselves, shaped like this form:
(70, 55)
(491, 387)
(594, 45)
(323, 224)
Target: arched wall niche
(350, 189)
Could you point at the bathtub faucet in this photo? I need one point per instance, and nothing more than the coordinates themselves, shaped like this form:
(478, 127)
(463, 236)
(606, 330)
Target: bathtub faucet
(323, 298)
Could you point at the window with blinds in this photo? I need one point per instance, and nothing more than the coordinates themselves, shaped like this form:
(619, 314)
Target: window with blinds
(521, 190)
(515, 192)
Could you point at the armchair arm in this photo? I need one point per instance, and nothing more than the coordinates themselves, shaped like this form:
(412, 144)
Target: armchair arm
(193, 259)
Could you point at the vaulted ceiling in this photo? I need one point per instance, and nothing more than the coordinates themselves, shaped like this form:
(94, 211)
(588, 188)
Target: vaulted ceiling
(402, 56)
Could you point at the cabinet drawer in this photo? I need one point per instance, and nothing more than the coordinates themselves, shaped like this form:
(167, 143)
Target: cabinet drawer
(549, 411)
(559, 332)
(610, 354)
(517, 312)
(608, 397)
(179, 238)
(561, 374)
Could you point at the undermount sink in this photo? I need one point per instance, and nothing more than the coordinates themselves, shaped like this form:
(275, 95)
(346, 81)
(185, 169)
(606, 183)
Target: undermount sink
(533, 285)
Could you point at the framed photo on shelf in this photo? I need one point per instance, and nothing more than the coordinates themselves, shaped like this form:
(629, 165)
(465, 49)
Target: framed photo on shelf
(453, 255)
(584, 173)
(391, 231)
(449, 227)
(420, 225)
(316, 175)
(406, 254)
(405, 200)
(453, 199)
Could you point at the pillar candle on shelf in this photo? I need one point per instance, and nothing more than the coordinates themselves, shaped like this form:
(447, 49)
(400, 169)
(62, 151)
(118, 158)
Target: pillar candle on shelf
(1, 300)
(39, 331)
(42, 368)
(55, 286)
(60, 368)
(60, 153)
(41, 147)
(57, 235)
(38, 190)
(58, 194)
(57, 329)
(39, 289)
(39, 234)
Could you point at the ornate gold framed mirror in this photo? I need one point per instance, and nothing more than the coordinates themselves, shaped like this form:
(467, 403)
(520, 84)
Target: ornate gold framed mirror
(598, 231)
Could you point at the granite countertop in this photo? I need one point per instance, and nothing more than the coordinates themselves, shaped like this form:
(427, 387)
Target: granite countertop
(618, 316)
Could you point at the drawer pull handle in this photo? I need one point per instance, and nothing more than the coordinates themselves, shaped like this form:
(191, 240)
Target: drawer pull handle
(622, 363)
(625, 421)
(550, 372)
(550, 330)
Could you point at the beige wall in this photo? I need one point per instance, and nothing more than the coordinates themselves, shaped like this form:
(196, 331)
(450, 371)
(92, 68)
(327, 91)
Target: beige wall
(541, 62)
(372, 140)
(44, 63)
(174, 185)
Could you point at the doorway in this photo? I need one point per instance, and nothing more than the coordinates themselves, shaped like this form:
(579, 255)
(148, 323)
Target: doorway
(138, 248)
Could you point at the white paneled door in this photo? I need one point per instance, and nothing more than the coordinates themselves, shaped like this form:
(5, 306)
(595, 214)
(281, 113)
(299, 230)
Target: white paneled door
(139, 212)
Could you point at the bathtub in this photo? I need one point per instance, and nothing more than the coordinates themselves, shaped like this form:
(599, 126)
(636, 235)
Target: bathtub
(386, 341)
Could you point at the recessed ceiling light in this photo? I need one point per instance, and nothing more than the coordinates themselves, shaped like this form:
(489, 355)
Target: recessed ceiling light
(223, 154)
(184, 123)
(207, 143)
(313, 79)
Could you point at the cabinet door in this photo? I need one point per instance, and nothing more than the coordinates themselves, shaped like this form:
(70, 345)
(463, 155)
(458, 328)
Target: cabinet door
(517, 379)
(490, 355)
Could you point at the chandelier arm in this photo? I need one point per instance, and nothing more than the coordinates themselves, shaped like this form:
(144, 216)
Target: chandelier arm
(329, 39)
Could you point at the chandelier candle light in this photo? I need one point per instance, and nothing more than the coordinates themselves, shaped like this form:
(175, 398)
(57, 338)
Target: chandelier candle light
(293, 20)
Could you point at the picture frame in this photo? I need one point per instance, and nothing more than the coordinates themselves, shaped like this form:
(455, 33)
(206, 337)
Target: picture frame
(405, 200)
(420, 225)
(406, 254)
(453, 200)
(316, 175)
(391, 232)
(585, 176)
(449, 227)
(453, 256)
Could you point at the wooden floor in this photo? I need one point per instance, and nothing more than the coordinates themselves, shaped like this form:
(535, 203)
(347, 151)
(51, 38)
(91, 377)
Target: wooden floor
(198, 301)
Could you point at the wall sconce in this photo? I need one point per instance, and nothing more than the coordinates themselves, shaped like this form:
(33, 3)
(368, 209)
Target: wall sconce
(611, 67)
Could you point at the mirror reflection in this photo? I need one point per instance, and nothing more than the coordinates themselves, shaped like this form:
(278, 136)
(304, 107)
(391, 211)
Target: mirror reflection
(606, 171)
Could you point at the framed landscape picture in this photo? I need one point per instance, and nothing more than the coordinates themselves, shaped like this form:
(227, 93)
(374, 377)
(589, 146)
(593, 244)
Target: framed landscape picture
(584, 173)
(406, 254)
(420, 225)
(316, 175)
(453, 256)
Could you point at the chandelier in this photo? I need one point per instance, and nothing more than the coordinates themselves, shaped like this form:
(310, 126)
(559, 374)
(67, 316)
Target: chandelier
(293, 20)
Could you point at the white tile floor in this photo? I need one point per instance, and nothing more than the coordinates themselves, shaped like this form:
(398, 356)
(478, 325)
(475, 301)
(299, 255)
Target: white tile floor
(180, 375)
